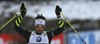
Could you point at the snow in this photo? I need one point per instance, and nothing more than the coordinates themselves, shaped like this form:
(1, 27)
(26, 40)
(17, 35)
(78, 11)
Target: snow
(71, 9)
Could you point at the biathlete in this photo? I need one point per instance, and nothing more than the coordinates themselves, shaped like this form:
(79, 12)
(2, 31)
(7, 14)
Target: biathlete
(39, 36)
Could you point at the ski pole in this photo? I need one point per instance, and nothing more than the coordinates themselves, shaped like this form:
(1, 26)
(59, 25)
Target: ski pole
(72, 27)
(9, 21)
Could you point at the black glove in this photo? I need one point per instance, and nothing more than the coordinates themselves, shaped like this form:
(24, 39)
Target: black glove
(23, 9)
(58, 10)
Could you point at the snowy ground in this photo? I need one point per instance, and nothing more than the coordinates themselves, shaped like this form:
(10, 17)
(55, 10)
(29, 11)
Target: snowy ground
(71, 9)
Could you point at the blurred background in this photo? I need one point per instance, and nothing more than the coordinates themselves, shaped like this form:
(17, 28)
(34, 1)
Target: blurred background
(84, 15)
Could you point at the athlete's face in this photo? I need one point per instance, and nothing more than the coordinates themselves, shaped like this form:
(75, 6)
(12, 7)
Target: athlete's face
(39, 28)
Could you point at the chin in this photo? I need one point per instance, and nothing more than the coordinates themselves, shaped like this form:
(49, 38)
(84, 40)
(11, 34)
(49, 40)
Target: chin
(39, 31)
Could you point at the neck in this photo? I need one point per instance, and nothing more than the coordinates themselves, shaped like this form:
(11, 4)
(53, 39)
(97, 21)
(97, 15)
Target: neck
(38, 32)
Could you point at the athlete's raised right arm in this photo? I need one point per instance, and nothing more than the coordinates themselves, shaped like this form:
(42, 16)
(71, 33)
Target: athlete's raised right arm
(22, 32)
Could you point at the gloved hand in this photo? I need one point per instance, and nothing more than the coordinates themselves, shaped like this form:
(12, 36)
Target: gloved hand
(23, 9)
(57, 11)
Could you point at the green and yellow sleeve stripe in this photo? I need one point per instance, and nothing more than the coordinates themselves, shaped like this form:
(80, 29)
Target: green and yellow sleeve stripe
(61, 23)
(18, 21)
